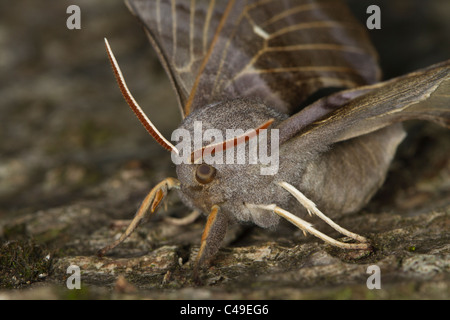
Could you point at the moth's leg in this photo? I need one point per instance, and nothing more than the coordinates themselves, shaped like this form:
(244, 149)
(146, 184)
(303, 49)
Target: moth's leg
(307, 227)
(152, 202)
(185, 220)
(212, 237)
(312, 209)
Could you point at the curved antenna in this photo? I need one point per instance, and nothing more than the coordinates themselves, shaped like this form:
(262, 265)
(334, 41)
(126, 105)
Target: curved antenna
(222, 146)
(148, 125)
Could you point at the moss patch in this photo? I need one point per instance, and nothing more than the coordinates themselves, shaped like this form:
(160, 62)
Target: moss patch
(22, 262)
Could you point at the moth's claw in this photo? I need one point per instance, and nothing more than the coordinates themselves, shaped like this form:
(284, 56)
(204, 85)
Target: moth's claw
(312, 209)
(212, 237)
(159, 195)
(306, 227)
(150, 203)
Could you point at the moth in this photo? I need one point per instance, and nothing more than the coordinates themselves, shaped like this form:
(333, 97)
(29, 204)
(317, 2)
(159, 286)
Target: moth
(305, 70)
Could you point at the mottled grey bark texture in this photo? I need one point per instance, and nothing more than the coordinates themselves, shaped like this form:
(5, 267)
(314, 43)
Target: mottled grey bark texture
(74, 160)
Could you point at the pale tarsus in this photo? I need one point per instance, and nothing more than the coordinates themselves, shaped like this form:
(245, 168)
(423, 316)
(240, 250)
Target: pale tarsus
(306, 227)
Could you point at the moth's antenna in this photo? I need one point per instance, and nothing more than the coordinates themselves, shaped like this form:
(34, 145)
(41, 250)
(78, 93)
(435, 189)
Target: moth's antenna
(148, 125)
(222, 146)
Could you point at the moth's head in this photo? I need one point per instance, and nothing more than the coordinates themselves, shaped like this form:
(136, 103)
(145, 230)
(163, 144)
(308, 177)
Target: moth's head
(216, 164)
(238, 178)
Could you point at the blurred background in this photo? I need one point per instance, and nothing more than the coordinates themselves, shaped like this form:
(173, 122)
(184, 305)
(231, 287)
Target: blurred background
(64, 124)
(65, 127)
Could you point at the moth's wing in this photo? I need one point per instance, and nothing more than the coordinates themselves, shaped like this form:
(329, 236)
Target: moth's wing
(279, 52)
(180, 32)
(424, 94)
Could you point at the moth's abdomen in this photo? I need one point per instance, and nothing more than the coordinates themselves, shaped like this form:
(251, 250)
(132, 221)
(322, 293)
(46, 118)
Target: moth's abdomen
(343, 179)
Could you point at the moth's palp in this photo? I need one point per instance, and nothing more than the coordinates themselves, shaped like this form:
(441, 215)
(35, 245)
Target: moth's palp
(148, 125)
(312, 209)
(149, 205)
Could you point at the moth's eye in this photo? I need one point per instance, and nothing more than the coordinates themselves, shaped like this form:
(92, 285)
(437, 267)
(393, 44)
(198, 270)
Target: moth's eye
(205, 173)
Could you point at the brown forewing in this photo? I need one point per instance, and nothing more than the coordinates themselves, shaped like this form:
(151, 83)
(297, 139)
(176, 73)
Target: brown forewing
(280, 52)
(424, 95)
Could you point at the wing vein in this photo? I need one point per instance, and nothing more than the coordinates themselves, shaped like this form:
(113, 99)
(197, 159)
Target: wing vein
(298, 9)
(212, 4)
(187, 107)
(310, 25)
(174, 30)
